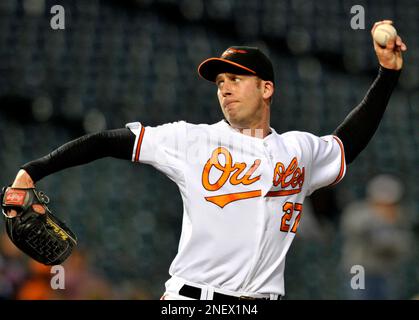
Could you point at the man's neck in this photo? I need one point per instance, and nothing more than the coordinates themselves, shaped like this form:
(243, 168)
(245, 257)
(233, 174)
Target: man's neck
(256, 132)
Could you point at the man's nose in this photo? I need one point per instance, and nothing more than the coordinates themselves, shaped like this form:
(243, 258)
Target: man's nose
(226, 89)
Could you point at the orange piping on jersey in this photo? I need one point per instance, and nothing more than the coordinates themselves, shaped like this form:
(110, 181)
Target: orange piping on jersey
(224, 199)
(140, 141)
(342, 161)
(281, 193)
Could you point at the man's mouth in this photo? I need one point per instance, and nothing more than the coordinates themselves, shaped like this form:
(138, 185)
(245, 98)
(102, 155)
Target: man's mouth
(229, 104)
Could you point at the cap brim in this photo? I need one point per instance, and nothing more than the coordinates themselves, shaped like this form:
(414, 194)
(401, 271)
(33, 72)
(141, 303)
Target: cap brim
(210, 68)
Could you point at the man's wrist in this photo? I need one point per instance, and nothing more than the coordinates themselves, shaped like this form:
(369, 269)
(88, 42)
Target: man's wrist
(389, 73)
(388, 70)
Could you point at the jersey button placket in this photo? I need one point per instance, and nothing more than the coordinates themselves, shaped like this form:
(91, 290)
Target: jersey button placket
(268, 152)
(263, 216)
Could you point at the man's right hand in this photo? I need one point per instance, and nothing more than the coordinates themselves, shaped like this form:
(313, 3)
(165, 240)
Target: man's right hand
(389, 57)
(22, 180)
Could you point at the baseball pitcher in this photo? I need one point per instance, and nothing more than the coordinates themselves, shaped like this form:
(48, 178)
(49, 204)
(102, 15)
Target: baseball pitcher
(242, 182)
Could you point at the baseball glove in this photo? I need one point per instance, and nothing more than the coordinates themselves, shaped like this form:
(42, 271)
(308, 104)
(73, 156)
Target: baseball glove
(35, 230)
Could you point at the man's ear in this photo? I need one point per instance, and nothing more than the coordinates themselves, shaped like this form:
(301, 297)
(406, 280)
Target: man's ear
(268, 89)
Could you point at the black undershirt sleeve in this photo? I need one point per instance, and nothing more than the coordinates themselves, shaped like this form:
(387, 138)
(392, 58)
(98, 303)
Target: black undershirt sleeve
(116, 143)
(362, 122)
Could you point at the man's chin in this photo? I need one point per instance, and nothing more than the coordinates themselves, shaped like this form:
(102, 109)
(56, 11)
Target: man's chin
(236, 123)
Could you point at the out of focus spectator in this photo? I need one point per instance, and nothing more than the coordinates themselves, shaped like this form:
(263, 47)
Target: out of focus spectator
(22, 278)
(13, 269)
(82, 282)
(37, 284)
(376, 236)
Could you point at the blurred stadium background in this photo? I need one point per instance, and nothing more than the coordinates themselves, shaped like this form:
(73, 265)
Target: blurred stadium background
(123, 61)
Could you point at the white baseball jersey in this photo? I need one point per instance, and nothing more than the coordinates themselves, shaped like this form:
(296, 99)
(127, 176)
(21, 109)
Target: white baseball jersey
(242, 197)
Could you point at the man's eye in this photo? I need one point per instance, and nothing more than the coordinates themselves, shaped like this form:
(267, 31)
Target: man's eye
(235, 79)
(220, 83)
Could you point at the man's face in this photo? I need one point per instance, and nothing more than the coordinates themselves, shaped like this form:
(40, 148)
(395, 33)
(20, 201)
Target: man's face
(241, 98)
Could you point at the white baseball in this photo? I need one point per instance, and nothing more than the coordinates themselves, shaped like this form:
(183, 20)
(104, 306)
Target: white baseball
(383, 33)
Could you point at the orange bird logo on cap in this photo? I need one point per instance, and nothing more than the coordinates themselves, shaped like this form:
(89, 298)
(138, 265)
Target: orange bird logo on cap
(231, 51)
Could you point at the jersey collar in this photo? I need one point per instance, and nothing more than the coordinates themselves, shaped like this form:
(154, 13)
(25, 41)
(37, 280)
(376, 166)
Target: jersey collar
(225, 125)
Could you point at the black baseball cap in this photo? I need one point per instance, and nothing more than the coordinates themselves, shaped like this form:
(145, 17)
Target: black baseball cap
(238, 60)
